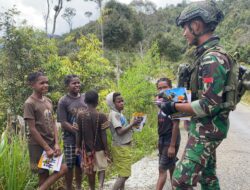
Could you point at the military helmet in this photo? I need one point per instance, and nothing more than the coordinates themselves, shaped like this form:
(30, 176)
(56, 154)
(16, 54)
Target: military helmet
(206, 10)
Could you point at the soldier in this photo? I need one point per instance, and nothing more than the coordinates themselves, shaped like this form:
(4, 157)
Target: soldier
(208, 78)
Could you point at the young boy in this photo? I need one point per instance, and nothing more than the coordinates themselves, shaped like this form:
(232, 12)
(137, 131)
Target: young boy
(43, 136)
(68, 107)
(122, 133)
(92, 138)
(169, 139)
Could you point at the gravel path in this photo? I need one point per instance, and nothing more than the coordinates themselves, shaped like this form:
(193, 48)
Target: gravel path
(233, 157)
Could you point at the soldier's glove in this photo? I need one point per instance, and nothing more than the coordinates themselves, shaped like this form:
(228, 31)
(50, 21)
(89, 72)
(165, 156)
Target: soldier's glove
(162, 95)
(168, 107)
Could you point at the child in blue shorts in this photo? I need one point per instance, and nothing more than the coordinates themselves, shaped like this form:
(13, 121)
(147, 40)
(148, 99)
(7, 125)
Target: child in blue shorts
(68, 107)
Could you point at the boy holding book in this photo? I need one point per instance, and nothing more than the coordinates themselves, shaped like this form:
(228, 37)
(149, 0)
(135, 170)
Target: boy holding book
(43, 134)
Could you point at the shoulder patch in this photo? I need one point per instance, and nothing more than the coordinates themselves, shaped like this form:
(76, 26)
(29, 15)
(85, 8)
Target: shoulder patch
(208, 79)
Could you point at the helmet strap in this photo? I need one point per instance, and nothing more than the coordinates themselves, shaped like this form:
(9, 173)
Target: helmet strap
(197, 36)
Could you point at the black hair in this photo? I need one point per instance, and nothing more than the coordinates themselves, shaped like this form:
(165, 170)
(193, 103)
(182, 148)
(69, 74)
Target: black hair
(164, 79)
(32, 77)
(69, 78)
(91, 97)
(116, 94)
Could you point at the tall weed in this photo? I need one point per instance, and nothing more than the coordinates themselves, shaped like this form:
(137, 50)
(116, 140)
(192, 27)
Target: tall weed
(14, 161)
(145, 142)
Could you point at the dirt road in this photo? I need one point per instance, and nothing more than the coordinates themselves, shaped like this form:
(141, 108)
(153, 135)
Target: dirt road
(233, 157)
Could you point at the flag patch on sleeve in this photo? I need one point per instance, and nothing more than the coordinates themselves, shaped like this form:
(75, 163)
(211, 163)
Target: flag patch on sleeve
(208, 79)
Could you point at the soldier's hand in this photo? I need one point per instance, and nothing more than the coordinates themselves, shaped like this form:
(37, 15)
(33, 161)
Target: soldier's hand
(168, 108)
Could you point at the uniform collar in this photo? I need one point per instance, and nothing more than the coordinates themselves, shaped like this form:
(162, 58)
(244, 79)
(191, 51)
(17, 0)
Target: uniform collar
(211, 42)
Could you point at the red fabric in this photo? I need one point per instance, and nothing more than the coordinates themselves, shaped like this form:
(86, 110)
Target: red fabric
(208, 80)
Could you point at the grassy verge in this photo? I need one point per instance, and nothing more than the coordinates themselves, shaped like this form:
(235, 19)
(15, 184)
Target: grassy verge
(14, 161)
(15, 173)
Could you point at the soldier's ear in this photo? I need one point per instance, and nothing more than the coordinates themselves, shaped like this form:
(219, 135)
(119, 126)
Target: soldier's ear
(197, 26)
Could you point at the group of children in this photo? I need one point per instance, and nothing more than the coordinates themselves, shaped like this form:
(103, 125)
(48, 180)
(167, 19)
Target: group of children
(84, 135)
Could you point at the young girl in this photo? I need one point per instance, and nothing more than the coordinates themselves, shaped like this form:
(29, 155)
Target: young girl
(43, 136)
(121, 132)
(92, 140)
(169, 139)
(68, 107)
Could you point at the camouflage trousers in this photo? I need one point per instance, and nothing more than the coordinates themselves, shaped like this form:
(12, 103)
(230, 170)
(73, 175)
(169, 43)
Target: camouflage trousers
(197, 165)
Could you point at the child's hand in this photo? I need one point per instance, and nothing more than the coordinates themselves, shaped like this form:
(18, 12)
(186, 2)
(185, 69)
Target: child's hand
(171, 151)
(57, 150)
(108, 156)
(78, 151)
(49, 152)
(158, 101)
(136, 121)
(75, 127)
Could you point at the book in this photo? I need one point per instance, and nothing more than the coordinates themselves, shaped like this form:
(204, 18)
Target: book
(53, 164)
(143, 118)
(180, 95)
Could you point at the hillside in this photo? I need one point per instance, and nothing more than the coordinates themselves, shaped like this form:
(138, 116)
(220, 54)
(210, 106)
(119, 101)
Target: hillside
(160, 25)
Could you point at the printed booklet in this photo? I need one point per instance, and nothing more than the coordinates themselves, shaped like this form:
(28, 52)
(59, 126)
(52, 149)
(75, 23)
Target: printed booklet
(143, 118)
(53, 163)
(179, 95)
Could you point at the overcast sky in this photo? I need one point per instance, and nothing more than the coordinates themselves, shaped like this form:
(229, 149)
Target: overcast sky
(33, 11)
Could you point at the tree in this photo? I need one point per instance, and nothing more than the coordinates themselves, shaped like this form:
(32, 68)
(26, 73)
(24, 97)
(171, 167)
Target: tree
(68, 15)
(169, 47)
(46, 16)
(117, 33)
(100, 6)
(93, 69)
(24, 50)
(138, 35)
(88, 14)
(57, 8)
(144, 6)
(132, 83)
(122, 30)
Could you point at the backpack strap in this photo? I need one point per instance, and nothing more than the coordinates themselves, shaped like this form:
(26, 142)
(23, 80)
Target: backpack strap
(230, 90)
(231, 86)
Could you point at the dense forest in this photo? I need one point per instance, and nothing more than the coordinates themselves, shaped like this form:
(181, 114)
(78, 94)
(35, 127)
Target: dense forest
(126, 49)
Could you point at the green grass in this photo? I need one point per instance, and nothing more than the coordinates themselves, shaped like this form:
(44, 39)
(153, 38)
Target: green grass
(14, 161)
(15, 172)
(145, 142)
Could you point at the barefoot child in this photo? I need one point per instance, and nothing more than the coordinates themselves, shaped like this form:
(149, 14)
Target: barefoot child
(43, 135)
(92, 139)
(169, 139)
(122, 133)
(68, 107)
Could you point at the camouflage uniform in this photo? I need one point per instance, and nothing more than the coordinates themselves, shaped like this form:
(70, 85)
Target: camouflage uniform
(210, 125)
(208, 76)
